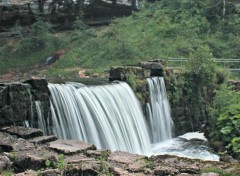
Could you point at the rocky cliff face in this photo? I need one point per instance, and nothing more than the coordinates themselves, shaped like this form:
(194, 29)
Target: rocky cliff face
(17, 101)
(16, 16)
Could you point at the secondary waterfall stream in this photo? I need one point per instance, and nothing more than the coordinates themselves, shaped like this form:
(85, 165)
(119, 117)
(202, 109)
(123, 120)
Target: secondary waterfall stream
(159, 115)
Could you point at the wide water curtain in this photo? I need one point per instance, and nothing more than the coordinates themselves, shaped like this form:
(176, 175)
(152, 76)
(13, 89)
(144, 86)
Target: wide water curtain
(158, 109)
(109, 116)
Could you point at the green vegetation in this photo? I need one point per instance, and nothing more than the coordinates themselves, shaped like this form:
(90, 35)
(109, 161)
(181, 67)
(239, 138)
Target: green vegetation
(104, 168)
(225, 121)
(200, 81)
(163, 29)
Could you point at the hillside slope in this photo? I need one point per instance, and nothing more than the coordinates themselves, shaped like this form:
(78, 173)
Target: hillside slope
(159, 30)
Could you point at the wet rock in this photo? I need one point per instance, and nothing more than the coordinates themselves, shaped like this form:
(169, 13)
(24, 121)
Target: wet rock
(71, 146)
(23, 132)
(43, 139)
(122, 73)
(5, 163)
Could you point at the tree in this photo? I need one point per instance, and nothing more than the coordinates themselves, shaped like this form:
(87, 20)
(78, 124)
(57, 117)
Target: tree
(200, 78)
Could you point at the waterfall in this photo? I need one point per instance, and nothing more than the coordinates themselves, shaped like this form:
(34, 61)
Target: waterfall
(41, 120)
(109, 116)
(158, 111)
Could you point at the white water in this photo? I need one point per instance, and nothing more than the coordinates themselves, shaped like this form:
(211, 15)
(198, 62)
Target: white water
(41, 120)
(184, 146)
(160, 121)
(109, 116)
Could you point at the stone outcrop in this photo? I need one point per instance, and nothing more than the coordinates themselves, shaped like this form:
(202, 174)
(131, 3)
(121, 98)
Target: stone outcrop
(235, 84)
(17, 100)
(43, 159)
(140, 71)
(71, 147)
(17, 16)
(124, 72)
(156, 67)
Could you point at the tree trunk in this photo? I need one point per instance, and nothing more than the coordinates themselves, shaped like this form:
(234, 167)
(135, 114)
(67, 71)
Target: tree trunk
(224, 9)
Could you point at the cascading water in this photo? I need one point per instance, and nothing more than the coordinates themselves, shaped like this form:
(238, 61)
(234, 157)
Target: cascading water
(158, 110)
(109, 116)
(41, 120)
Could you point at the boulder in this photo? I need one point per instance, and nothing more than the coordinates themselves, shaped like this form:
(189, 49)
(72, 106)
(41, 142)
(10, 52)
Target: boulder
(5, 163)
(122, 73)
(155, 66)
(43, 139)
(235, 84)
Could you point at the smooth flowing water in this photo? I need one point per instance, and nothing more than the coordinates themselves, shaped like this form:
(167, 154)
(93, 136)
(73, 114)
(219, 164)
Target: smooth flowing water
(109, 116)
(159, 115)
(41, 120)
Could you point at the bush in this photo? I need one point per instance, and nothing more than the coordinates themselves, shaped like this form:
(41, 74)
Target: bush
(225, 120)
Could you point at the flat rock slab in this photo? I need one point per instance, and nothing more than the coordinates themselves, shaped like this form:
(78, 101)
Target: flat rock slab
(43, 139)
(128, 161)
(71, 146)
(124, 157)
(23, 132)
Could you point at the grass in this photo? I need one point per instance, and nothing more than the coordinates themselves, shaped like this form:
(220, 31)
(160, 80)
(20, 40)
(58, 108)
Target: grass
(152, 33)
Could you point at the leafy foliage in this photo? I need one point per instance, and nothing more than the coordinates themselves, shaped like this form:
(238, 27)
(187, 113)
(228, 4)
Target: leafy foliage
(225, 122)
(200, 81)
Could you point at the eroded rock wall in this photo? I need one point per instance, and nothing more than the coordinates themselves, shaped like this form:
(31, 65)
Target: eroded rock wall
(17, 101)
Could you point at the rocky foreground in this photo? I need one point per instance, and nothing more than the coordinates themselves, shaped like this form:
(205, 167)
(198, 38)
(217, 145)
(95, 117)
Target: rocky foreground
(25, 151)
